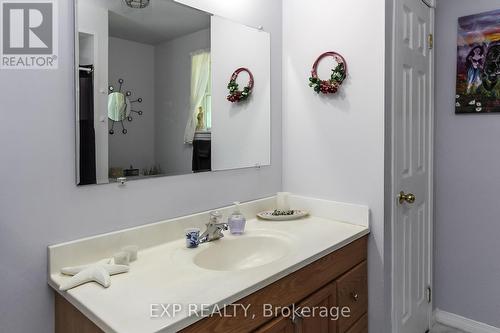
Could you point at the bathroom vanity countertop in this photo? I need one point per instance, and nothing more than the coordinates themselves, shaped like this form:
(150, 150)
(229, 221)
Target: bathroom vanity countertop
(166, 274)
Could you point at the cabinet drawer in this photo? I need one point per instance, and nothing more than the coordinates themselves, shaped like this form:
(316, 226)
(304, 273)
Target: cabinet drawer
(352, 292)
(361, 326)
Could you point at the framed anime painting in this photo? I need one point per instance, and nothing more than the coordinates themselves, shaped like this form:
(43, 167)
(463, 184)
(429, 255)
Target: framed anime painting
(478, 63)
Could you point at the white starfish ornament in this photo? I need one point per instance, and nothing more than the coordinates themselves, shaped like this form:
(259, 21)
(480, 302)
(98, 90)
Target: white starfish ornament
(99, 272)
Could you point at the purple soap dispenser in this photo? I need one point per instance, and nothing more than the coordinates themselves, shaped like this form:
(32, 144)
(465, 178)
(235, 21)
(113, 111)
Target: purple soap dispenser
(236, 221)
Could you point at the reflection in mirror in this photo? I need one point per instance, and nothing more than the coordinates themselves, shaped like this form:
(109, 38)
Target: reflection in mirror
(118, 108)
(163, 116)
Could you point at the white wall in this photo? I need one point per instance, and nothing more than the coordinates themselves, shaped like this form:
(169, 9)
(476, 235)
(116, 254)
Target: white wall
(39, 201)
(333, 147)
(241, 132)
(86, 49)
(173, 91)
(134, 63)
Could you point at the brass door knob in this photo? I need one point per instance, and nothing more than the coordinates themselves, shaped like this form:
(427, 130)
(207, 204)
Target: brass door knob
(409, 198)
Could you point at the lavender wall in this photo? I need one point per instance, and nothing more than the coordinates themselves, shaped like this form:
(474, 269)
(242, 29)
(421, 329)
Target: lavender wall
(467, 158)
(39, 201)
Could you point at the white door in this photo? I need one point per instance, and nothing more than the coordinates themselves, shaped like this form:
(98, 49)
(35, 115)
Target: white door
(412, 166)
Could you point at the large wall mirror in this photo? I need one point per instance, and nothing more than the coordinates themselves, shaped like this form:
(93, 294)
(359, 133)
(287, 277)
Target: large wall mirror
(152, 91)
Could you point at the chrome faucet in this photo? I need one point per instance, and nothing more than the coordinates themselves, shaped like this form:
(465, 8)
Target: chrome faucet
(214, 228)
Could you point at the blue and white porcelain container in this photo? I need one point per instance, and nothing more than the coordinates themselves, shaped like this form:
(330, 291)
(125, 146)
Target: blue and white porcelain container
(192, 238)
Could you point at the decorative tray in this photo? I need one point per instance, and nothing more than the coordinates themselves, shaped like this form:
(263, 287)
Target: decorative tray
(279, 215)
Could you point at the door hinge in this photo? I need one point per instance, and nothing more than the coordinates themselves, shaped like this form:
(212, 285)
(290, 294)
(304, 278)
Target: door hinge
(428, 292)
(431, 41)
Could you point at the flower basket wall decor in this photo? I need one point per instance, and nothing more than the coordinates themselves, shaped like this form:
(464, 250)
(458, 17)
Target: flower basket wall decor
(235, 94)
(339, 74)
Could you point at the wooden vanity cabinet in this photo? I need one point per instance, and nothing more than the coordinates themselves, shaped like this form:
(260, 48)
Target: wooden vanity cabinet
(278, 325)
(70, 320)
(336, 280)
(350, 290)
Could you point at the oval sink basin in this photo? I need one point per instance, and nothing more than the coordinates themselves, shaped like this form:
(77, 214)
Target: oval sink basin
(243, 252)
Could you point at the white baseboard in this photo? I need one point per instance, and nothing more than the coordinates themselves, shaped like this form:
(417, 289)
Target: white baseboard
(462, 323)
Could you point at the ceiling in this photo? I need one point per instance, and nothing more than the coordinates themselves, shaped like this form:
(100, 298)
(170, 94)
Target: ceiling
(161, 21)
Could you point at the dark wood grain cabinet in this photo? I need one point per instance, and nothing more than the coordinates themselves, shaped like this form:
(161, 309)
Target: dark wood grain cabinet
(352, 293)
(361, 326)
(304, 320)
(278, 325)
(309, 318)
(329, 295)
(349, 292)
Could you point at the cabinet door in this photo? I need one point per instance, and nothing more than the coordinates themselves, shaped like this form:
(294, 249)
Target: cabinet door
(314, 313)
(352, 290)
(279, 325)
(361, 326)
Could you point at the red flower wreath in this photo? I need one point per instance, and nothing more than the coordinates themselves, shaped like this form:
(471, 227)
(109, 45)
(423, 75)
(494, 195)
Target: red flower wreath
(339, 73)
(236, 95)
